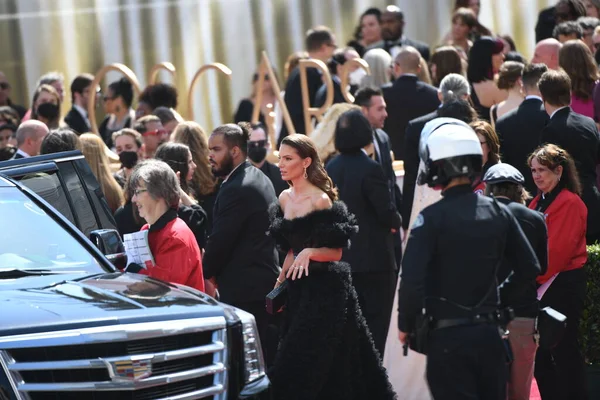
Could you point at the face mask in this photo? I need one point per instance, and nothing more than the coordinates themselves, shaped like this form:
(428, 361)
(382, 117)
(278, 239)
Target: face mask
(355, 77)
(128, 159)
(257, 154)
(48, 111)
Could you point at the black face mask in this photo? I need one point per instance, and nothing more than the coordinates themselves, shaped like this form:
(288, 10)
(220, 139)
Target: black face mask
(48, 110)
(128, 159)
(257, 154)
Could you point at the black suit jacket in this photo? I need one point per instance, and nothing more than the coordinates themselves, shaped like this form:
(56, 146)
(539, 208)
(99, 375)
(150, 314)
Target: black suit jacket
(17, 156)
(338, 97)
(407, 99)
(420, 46)
(411, 162)
(578, 135)
(76, 122)
(520, 133)
(384, 158)
(238, 252)
(362, 185)
(521, 295)
(545, 24)
(293, 98)
(272, 172)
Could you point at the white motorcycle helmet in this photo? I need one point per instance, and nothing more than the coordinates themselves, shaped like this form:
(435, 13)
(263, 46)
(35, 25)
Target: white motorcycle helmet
(449, 148)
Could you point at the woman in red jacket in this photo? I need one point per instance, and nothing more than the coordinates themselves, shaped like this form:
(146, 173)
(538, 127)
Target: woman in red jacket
(173, 245)
(560, 372)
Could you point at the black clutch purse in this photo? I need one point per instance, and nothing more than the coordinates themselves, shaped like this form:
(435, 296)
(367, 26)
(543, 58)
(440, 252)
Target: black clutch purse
(551, 327)
(276, 298)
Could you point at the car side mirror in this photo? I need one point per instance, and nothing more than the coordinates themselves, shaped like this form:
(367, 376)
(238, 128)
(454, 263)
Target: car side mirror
(109, 243)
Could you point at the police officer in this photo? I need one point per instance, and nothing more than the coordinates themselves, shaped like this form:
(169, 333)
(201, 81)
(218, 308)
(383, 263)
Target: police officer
(505, 183)
(449, 269)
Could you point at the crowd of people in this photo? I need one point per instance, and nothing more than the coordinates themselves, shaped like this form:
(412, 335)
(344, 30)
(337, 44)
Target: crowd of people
(512, 141)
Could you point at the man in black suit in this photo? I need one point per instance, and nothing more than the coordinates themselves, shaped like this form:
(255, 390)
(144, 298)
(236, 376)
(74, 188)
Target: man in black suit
(5, 89)
(240, 258)
(520, 130)
(578, 135)
(392, 31)
(320, 44)
(258, 148)
(363, 186)
(373, 107)
(407, 99)
(453, 86)
(30, 136)
(81, 91)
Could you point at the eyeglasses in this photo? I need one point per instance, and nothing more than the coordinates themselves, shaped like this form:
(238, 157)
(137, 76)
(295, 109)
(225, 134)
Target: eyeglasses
(4, 85)
(137, 192)
(482, 143)
(159, 132)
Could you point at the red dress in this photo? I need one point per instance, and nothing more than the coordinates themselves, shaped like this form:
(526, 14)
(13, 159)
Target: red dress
(566, 219)
(176, 253)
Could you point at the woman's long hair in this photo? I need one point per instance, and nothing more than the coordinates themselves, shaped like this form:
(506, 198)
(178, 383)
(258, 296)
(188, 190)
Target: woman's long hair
(315, 171)
(551, 156)
(578, 62)
(176, 155)
(92, 148)
(480, 59)
(192, 135)
(324, 134)
(379, 62)
(491, 137)
(447, 61)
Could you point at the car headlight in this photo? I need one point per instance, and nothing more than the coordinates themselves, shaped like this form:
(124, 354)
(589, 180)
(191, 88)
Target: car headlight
(253, 355)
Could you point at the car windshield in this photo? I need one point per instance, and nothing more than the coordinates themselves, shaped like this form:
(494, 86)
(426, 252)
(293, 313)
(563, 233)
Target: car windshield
(31, 240)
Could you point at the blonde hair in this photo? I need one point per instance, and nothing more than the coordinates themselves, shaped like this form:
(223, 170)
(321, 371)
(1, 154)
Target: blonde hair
(324, 134)
(93, 149)
(423, 74)
(192, 135)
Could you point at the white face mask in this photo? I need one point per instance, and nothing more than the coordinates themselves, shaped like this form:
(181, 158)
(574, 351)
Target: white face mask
(355, 77)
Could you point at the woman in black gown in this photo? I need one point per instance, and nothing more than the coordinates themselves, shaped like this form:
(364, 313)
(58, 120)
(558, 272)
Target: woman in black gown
(326, 350)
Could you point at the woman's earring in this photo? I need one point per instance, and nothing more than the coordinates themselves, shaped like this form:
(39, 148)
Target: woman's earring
(305, 174)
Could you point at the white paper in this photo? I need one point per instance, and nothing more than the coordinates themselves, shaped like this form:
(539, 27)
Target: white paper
(543, 288)
(138, 249)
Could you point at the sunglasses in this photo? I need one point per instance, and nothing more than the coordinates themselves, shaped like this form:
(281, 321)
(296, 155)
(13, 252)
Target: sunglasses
(158, 132)
(4, 85)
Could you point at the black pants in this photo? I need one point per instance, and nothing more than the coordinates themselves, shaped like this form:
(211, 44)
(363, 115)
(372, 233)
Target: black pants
(375, 292)
(560, 372)
(467, 363)
(267, 328)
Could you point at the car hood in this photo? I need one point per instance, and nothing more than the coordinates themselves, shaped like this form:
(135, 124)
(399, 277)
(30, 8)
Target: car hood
(58, 302)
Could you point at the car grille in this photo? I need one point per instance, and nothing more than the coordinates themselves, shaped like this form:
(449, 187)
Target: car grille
(175, 360)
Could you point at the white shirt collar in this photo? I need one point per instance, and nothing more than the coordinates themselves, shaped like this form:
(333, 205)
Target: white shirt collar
(533, 96)
(225, 180)
(21, 152)
(557, 110)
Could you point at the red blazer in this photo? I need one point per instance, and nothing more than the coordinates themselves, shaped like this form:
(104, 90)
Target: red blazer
(566, 218)
(176, 252)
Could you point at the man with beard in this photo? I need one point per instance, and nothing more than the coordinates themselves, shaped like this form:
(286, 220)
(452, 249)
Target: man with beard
(258, 148)
(240, 258)
(392, 31)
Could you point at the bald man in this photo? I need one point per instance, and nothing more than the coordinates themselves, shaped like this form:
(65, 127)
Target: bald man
(30, 135)
(392, 32)
(546, 52)
(5, 90)
(407, 98)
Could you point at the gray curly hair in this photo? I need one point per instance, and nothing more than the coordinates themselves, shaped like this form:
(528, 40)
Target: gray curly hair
(161, 182)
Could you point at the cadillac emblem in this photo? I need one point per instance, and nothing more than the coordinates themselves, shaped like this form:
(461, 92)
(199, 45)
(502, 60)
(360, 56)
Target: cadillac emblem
(134, 369)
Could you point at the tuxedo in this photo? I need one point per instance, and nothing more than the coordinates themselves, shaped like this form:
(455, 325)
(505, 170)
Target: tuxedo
(411, 162)
(387, 45)
(578, 135)
(384, 157)
(363, 186)
(338, 97)
(407, 98)
(272, 172)
(77, 122)
(293, 98)
(520, 132)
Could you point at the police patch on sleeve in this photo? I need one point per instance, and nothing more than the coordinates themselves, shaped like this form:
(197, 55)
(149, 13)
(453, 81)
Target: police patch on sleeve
(419, 221)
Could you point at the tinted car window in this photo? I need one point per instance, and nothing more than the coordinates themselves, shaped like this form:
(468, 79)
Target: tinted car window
(47, 185)
(81, 203)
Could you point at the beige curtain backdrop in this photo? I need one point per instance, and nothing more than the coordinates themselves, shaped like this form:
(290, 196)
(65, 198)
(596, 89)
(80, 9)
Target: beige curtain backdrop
(74, 36)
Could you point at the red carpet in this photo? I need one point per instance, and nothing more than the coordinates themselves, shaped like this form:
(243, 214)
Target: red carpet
(535, 393)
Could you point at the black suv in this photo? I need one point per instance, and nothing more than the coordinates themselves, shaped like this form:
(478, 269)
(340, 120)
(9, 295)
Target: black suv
(73, 327)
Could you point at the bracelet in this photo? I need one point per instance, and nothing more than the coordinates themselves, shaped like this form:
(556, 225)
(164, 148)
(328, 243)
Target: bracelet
(278, 281)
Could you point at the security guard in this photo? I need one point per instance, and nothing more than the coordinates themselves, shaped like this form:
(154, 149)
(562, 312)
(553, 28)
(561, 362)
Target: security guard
(450, 266)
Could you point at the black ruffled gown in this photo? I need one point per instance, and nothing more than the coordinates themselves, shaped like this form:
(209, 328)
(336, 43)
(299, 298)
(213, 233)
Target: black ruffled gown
(326, 351)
